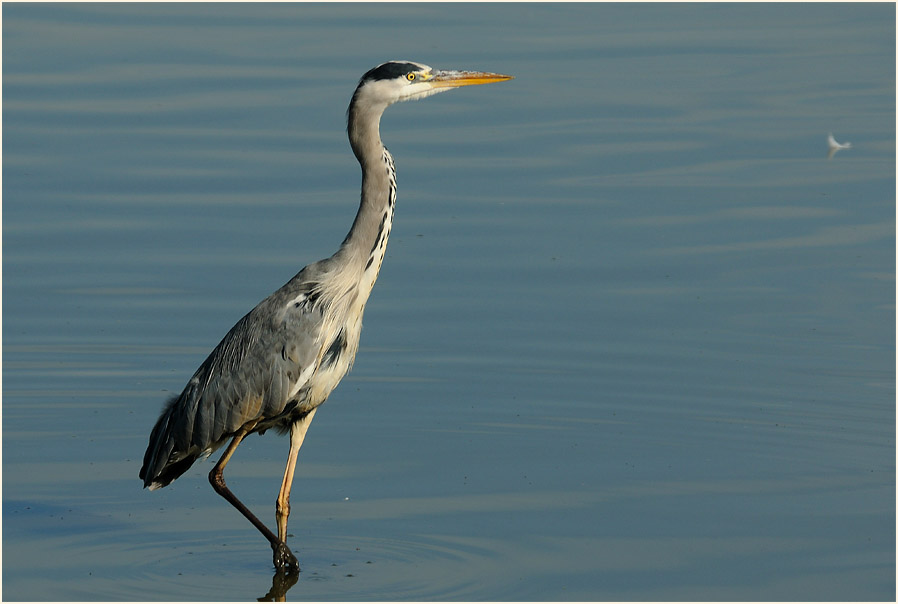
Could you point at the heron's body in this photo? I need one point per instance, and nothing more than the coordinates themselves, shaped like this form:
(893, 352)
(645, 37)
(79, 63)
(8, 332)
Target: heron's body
(284, 358)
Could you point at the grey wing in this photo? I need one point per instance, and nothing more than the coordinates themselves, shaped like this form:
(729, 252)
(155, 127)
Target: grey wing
(251, 376)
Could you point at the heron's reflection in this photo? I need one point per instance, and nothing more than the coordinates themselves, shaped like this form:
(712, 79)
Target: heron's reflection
(281, 583)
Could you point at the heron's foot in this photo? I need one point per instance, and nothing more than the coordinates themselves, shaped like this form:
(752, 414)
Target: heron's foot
(284, 560)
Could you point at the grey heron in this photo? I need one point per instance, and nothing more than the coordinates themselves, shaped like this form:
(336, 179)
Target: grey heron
(284, 358)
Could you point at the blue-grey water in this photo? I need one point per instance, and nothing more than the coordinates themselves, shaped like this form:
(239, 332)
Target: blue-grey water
(634, 336)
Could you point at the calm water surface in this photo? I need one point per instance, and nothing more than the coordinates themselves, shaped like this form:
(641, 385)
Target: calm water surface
(633, 337)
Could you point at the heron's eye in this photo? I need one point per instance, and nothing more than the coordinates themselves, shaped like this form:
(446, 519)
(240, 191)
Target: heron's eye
(410, 77)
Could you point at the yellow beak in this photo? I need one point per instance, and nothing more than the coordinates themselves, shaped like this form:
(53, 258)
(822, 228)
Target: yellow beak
(453, 79)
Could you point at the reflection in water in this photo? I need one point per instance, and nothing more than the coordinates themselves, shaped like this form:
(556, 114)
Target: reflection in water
(281, 583)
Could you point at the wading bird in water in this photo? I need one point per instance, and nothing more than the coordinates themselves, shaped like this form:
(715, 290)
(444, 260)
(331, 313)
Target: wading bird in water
(283, 359)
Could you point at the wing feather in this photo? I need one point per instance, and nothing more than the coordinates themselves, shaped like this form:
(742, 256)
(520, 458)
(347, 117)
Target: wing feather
(256, 370)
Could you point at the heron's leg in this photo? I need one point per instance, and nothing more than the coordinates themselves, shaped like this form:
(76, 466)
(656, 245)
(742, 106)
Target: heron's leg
(282, 555)
(282, 507)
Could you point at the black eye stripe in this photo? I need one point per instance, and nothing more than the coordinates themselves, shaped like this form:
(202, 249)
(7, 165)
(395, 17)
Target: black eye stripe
(389, 71)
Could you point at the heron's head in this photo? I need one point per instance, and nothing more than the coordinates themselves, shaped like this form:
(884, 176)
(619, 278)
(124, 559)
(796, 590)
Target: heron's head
(395, 81)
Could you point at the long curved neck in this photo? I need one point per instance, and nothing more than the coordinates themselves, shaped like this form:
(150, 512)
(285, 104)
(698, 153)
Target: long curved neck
(366, 242)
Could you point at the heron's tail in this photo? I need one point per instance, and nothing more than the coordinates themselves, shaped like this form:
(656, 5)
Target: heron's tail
(164, 459)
